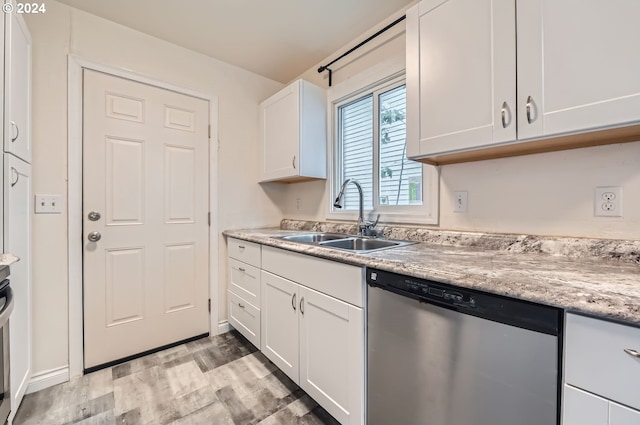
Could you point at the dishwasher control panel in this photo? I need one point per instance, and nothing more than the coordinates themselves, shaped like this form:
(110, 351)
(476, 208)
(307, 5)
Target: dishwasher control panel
(422, 289)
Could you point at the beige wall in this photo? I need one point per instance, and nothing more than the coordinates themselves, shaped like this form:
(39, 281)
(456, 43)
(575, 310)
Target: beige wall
(242, 202)
(544, 194)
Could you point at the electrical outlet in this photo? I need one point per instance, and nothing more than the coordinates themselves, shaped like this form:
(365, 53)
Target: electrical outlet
(297, 204)
(460, 201)
(608, 201)
(48, 204)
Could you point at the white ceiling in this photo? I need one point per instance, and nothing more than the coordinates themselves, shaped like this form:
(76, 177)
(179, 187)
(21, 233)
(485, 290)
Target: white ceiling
(279, 39)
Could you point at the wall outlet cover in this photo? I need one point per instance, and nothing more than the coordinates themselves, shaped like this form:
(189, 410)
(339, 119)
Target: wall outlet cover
(460, 199)
(607, 201)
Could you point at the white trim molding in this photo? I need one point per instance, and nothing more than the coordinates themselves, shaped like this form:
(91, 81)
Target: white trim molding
(75, 66)
(47, 379)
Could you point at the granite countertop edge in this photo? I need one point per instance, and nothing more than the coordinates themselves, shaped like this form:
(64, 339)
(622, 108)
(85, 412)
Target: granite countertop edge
(575, 285)
(7, 259)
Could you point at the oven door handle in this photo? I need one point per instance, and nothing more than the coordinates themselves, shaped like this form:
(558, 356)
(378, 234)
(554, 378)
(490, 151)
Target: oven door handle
(8, 307)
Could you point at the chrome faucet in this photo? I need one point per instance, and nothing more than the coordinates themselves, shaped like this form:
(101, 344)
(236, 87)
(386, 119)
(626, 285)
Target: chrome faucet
(365, 228)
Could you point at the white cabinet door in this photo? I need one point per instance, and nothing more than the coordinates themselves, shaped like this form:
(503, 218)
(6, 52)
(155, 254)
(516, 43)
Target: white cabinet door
(17, 240)
(331, 348)
(17, 96)
(280, 132)
(461, 63)
(279, 323)
(293, 134)
(577, 65)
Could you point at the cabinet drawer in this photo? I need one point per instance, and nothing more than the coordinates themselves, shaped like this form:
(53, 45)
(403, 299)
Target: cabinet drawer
(338, 280)
(580, 408)
(595, 359)
(247, 252)
(244, 281)
(245, 318)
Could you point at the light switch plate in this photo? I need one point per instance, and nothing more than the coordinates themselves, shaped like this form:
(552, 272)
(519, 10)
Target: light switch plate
(48, 204)
(460, 201)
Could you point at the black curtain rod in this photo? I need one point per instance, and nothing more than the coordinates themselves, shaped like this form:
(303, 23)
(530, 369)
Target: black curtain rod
(362, 43)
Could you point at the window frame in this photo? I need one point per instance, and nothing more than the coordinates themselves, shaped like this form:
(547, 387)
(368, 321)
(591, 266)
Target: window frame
(375, 82)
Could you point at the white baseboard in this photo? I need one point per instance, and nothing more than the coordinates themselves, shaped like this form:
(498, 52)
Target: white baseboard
(48, 378)
(223, 327)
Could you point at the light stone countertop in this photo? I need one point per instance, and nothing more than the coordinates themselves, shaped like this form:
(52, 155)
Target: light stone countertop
(574, 274)
(7, 259)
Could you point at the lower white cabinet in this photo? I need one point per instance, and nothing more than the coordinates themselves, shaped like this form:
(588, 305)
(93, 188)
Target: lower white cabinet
(244, 288)
(280, 326)
(583, 408)
(317, 339)
(601, 372)
(17, 240)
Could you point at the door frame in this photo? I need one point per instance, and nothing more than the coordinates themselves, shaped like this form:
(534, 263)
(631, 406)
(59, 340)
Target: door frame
(76, 65)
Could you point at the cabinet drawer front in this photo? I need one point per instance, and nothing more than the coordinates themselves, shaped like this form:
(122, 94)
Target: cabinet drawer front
(338, 280)
(245, 318)
(580, 408)
(247, 252)
(244, 280)
(620, 415)
(595, 359)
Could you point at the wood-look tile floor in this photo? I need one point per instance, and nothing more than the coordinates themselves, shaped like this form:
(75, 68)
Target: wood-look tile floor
(221, 380)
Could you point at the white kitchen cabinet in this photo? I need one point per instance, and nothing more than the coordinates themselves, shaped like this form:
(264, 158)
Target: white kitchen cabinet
(461, 71)
(571, 81)
(17, 95)
(575, 65)
(601, 371)
(312, 332)
(244, 298)
(293, 138)
(331, 361)
(17, 240)
(280, 328)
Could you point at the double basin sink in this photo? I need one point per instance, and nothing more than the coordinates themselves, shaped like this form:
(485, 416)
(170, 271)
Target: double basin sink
(344, 242)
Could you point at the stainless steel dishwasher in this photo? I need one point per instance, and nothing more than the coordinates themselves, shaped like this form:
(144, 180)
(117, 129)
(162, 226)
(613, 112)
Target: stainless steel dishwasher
(441, 355)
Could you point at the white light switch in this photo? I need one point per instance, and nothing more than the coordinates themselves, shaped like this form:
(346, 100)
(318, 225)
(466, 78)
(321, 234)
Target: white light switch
(460, 201)
(48, 204)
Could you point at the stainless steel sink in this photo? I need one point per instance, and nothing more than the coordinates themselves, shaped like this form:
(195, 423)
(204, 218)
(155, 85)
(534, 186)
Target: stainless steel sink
(314, 237)
(345, 242)
(364, 244)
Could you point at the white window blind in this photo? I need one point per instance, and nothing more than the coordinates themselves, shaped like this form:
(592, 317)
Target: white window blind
(356, 146)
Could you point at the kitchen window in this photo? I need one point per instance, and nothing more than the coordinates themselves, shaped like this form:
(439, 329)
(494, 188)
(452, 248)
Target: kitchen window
(370, 147)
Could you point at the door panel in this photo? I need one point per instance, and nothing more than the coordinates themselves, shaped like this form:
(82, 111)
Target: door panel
(145, 156)
(331, 352)
(17, 240)
(279, 340)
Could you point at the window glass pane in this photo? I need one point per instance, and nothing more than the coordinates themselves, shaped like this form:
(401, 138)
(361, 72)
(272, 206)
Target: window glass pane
(356, 141)
(400, 178)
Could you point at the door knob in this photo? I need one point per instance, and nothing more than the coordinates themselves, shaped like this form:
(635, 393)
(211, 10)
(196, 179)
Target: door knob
(94, 216)
(94, 236)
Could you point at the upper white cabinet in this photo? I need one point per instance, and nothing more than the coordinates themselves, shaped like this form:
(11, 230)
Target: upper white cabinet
(461, 75)
(573, 76)
(293, 134)
(17, 95)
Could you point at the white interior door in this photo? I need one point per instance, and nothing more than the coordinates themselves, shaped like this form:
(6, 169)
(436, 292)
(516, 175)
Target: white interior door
(145, 172)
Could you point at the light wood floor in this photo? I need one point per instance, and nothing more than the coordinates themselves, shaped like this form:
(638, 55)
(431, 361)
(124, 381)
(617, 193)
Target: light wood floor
(222, 380)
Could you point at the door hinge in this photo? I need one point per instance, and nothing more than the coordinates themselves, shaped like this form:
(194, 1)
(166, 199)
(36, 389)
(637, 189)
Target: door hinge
(209, 131)
(209, 218)
(209, 305)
